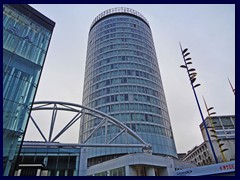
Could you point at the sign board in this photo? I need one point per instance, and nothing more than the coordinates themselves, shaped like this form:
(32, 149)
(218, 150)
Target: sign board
(208, 169)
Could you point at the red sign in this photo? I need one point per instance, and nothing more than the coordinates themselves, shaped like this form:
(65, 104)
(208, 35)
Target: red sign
(226, 167)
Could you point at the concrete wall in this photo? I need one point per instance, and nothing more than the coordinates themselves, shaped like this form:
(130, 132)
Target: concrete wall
(131, 161)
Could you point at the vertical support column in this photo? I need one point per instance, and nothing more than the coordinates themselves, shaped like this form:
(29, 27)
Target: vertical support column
(150, 171)
(80, 140)
(83, 162)
(38, 172)
(19, 172)
(170, 170)
(129, 171)
(106, 128)
(45, 161)
(10, 161)
(7, 168)
(76, 171)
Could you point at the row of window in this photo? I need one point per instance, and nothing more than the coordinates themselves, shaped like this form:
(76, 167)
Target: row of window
(124, 65)
(38, 36)
(121, 81)
(160, 149)
(158, 141)
(198, 151)
(55, 165)
(228, 121)
(123, 35)
(118, 21)
(223, 132)
(126, 40)
(20, 18)
(123, 73)
(16, 87)
(140, 117)
(107, 23)
(223, 124)
(159, 118)
(121, 52)
(223, 121)
(23, 48)
(14, 115)
(127, 27)
(118, 46)
(124, 89)
(226, 134)
(123, 107)
(143, 128)
(132, 107)
(93, 70)
(113, 172)
(124, 98)
(99, 44)
(120, 37)
(133, 62)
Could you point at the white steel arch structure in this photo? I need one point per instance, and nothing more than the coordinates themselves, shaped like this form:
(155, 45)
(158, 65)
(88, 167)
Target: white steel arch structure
(81, 111)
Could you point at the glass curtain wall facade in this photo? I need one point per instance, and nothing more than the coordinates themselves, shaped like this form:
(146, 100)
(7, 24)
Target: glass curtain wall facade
(56, 161)
(122, 79)
(26, 37)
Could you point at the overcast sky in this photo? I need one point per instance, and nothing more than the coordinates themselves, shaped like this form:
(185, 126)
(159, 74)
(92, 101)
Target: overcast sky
(208, 31)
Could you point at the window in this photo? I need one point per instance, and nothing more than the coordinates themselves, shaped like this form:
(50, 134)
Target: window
(126, 97)
(146, 117)
(29, 171)
(140, 171)
(112, 98)
(226, 122)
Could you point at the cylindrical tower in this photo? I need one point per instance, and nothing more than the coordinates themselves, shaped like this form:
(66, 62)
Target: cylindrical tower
(122, 79)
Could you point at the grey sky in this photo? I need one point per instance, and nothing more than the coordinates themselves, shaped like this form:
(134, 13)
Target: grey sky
(207, 30)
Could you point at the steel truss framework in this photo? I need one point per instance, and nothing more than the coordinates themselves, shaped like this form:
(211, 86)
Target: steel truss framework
(81, 111)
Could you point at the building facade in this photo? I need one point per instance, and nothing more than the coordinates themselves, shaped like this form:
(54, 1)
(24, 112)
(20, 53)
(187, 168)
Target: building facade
(223, 125)
(60, 159)
(57, 159)
(122, 79)
(47, 161)
(26, 37)
(224, 132)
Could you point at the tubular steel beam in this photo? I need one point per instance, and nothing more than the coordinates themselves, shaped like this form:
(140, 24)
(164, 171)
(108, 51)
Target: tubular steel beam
(39, 130)
(72, 145)
(64, 106)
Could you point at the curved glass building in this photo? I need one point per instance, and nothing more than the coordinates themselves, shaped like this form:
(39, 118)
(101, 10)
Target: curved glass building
(122, 79)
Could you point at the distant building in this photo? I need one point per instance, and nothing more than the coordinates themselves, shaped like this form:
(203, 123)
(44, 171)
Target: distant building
(224, 126)
(199, 155)
(181, 155)
(225, 130)
(26, 37)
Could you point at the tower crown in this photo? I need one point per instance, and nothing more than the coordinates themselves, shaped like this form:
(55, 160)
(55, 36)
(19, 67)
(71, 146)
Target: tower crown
(118, 10)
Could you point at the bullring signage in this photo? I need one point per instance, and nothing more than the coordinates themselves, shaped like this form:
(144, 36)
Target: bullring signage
(220, 168)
